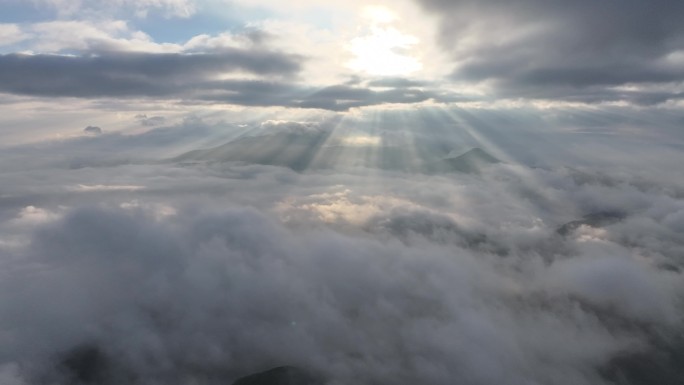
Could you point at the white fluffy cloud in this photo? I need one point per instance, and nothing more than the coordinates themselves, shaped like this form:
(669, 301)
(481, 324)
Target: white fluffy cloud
(140, 8)
(228, 292)
(10, 34)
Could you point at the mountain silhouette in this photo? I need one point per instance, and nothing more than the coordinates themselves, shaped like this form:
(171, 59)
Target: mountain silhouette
(294, 150)
(282, 375)
(312, 149)
(471, 162)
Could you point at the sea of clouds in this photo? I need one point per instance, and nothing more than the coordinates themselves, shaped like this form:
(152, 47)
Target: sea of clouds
(119, 265)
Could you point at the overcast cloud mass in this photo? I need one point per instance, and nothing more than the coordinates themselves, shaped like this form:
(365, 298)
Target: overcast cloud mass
(341, 192)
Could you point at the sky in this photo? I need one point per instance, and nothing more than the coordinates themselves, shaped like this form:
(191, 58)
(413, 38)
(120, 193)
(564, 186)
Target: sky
(409, 192)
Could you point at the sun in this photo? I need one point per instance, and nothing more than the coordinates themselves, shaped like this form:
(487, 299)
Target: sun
(383, 50)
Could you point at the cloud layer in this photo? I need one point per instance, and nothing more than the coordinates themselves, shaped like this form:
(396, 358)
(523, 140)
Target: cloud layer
(151, 272)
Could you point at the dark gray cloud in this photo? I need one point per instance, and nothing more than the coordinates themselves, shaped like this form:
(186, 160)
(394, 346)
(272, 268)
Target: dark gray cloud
(333, 98)
(133, 74)
(565, 50)
(95, 130)
(341, 98)
(398, 82)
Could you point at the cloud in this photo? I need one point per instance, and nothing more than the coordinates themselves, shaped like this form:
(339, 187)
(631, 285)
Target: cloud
(93, 37)
(131, 74)
(333, 98)
(212, 295)
(576, 52)
(194, 77)
(342, 98)
(264, 64)
(139, 8)
(151, 121)
(100, 187)
(11, 34)
(171, 272)
(93, 130)
(397, 82)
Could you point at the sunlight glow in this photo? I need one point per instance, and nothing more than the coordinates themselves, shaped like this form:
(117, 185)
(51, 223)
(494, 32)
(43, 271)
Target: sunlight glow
(384, 50)
(362, 140)
(379, 15)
